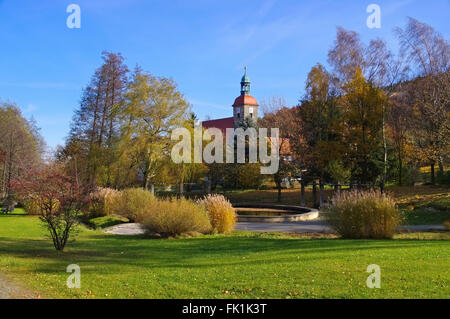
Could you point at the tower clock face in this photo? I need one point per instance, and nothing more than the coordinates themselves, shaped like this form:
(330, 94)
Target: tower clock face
(250, 110)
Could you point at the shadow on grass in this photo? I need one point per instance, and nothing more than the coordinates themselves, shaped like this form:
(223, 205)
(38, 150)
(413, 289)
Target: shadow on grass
(92, 250)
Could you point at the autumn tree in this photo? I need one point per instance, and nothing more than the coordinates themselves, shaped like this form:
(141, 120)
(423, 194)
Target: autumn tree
(59, 198)
(189, 173)
(363, 108)
(429, 52)
(321, 127)
(95, 126)
(400, 126)
(21, 145)
(278, 115)
(153, 107)
(380, 67)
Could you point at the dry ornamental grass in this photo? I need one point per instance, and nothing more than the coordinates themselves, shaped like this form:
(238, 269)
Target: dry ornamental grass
(363, 214)
(221, 213)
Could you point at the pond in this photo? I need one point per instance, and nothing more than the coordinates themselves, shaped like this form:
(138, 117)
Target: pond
(268, 213)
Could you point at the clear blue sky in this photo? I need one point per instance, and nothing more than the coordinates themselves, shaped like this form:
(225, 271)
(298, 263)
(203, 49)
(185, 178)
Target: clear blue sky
(202, 44)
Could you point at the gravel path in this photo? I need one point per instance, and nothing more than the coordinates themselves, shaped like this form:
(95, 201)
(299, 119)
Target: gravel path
(301, 227)
(125, 229)
(10, 291)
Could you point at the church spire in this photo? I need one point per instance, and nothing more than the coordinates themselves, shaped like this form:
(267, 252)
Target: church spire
(245, 84)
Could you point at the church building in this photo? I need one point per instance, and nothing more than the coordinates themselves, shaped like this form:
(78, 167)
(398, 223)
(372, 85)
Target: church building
(244, 106)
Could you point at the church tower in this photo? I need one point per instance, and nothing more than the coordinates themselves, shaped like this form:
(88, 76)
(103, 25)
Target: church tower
(245, 105)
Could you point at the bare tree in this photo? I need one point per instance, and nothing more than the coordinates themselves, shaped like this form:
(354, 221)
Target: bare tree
(429, 51)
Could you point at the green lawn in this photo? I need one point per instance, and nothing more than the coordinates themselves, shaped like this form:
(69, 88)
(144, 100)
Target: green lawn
(106, 221)
(16, 211)
(243, 265)
(426, 209)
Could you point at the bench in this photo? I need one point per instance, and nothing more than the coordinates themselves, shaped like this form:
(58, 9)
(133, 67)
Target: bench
(9, 209)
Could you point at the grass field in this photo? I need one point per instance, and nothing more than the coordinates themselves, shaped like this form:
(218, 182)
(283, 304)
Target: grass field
(243, 265)
(106, 221)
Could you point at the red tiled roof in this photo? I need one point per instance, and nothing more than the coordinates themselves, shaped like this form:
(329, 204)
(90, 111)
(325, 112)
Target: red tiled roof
(221, 124)
(245, 100)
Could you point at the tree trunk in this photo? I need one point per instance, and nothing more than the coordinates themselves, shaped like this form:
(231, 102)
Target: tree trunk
(384, 148)
(152, 189)
(302, 201)
(321, 187)
(314, 190)
(279, 192)
(209, 186)
(181, 189)
(441, 165)
(432, 174)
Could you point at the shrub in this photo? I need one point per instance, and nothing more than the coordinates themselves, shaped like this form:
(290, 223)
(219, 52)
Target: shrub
(60, 199)
(363, 214)
(221, 213)
(133, 203)
(443, 178)
(447, 224)
(175, 217)
(33, 205)
(102, 202)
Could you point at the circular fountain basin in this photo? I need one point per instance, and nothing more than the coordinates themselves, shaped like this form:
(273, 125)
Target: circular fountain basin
(267, 213)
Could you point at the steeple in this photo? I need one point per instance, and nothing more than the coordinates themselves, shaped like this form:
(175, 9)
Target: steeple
(245, 105)
(245, 84)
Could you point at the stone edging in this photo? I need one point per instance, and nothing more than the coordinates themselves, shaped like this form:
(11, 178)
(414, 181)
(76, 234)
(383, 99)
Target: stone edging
(304, 214)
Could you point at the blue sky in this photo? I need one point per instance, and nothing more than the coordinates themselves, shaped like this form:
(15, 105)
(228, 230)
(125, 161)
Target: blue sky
(202, 44)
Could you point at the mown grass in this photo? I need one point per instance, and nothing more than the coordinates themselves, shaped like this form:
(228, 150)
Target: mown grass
(425, 208)
(106, 221)
(242, 265)
(16, 211)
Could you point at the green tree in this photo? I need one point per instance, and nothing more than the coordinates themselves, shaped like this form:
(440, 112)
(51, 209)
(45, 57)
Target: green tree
(21, 145)
(152, 108)
(363, 109)
(321, 124)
